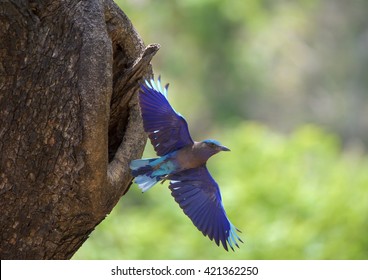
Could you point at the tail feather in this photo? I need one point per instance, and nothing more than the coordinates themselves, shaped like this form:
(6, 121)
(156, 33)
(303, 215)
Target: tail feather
(146, 182)
(142, 170)
(141, 166)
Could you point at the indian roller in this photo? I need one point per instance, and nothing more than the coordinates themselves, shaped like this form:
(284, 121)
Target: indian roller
(182, 161)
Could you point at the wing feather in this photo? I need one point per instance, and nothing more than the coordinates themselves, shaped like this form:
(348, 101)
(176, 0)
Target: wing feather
(199, 196)
(167, 129)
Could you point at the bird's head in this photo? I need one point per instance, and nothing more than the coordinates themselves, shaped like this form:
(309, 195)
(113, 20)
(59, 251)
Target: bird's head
(212, 147)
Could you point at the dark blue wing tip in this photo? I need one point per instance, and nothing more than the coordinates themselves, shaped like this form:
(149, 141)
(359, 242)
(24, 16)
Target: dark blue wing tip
(232, 239)
(150, 84)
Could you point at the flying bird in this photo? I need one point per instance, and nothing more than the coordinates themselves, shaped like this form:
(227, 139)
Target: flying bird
(182, 161)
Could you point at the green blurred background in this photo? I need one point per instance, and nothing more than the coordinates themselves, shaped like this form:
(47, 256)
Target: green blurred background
(284, 85)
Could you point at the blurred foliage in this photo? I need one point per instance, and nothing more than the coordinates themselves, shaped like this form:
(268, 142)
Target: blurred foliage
(294, 197)
(296, 191)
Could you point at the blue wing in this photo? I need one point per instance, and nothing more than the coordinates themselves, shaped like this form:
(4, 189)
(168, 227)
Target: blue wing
(199, 196)
(167, 130)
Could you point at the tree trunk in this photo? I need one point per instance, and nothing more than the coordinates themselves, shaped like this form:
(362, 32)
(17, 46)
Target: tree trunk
(70, 122)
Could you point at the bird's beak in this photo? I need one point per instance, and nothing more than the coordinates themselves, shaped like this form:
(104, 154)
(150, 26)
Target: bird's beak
(223, 148)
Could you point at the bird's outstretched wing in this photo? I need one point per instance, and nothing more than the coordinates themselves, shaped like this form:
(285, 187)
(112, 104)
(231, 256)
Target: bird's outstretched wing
(199, 196)
(167, 130)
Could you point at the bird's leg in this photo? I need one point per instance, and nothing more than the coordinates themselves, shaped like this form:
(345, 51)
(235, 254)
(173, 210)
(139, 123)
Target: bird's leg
(164, 179)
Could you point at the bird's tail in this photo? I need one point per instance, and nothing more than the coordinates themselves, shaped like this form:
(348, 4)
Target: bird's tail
(142, 170)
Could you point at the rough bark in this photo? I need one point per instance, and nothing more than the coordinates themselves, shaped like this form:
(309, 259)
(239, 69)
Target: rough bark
(70, 123)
